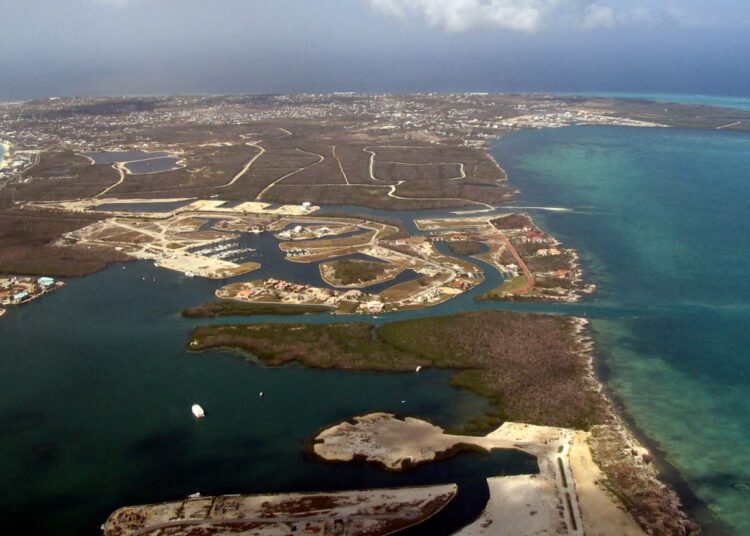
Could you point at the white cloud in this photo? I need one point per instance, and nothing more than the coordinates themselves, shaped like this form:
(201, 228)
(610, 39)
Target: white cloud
(518, 15)
(596, 16)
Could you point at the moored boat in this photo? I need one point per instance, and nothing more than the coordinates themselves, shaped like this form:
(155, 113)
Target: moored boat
(198, 411)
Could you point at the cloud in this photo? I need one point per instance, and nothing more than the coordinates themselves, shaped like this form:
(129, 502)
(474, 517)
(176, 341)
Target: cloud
(596, 16)
(518, 15)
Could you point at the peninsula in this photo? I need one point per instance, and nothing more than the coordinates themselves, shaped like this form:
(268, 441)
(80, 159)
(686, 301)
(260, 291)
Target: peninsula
(534, 369)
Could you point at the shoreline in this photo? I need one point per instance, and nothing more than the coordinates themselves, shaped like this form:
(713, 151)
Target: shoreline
(631, 474)
(666, 472)
(643, 461)
(681, 496)
(663, 471)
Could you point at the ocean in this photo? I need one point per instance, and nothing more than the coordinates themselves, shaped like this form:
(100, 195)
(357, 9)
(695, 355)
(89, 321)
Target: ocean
(661, 222)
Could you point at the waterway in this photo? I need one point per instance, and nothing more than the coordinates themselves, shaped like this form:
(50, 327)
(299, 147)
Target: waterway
(95, 395)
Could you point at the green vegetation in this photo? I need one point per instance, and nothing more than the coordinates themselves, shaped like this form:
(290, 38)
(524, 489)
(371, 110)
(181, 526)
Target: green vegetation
(528, 366)
(235, 308)
(512, 221)
(344, 346)
(465, 247)
(356, 271)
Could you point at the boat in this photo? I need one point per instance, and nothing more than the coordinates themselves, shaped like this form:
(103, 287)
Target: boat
(189, 274)
(419, 367)
(198, 411)
(195, 495)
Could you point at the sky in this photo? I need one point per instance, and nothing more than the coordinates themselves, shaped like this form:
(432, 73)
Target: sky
(144, 47)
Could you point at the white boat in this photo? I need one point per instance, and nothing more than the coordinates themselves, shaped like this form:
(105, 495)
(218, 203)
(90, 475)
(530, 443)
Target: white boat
(198, 411)
(195, 495)
(189, 274)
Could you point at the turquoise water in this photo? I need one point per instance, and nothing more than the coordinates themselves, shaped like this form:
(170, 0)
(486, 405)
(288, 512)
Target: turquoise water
(661, 220)
(741, 103)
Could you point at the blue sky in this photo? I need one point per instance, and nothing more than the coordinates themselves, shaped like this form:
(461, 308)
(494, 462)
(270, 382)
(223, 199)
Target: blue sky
(113, 47)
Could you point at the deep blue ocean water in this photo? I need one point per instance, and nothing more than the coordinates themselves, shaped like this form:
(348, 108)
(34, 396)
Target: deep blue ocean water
(661, 220)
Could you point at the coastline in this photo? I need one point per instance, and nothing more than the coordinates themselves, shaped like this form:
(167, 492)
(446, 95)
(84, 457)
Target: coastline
(663, 466)
(664, 470)
(623, 429)
(631, 474)
(606, 439)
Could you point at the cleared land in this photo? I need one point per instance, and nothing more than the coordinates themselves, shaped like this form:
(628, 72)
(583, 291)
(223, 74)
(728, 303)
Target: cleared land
(355, 513)
(325, 149)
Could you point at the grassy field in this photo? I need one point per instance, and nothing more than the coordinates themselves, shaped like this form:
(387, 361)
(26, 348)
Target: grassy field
(528, 366)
